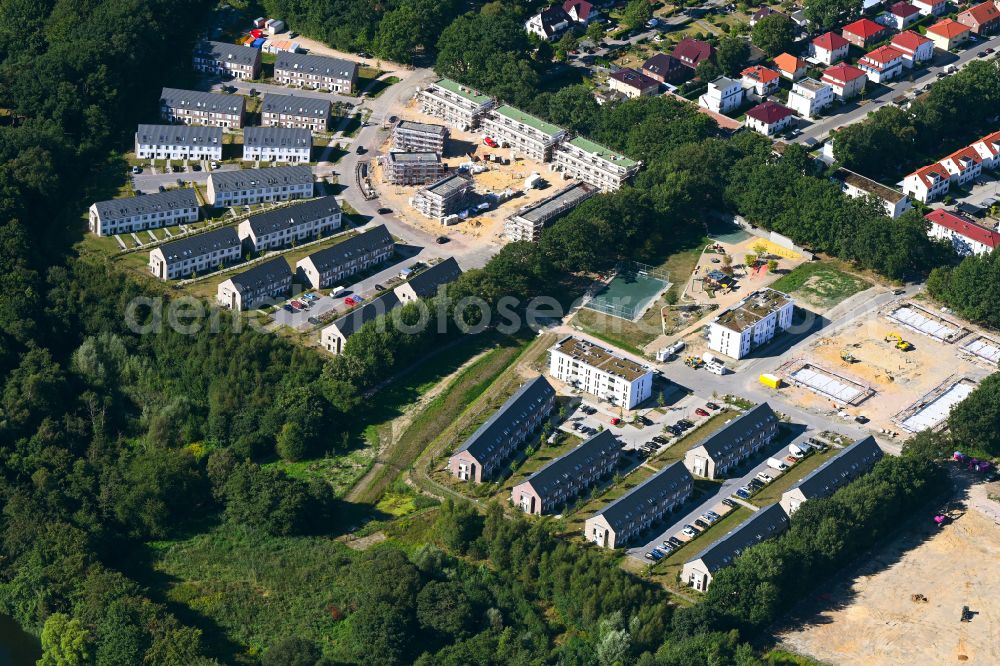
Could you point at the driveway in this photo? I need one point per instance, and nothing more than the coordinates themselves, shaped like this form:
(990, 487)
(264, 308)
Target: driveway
(151, 180)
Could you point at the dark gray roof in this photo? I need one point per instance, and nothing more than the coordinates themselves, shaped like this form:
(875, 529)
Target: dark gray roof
(349, 324)
(520, 406)
(751, 422)
(426, 283)
(414, 158)
(203, 101)
(429, 128)
(262, 274)
(588, 455)
(295, 105)
(292, 216)
(179, 135)
(234, 53)
(239, 179)
(277, 137)
(315, 64)
(344, 251)
(559, 203)
(117, 209)
(841, 469)
(764, 524)
(448, 185)
(634, 503)
(200, 244)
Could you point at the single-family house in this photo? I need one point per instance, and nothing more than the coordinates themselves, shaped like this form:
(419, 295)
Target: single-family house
(496, 440)
(549, 24)
(829, 48)
(564, 479)
(666, 69)
(857, 186)
(262, 284)
(931, 7)
(429, 281)
(836, 472)
(738, 440)
(846, 80)
(769, 118)
(983, 19)
(966, 235)
(916, 48)
(762, 13)
(638, 509)
(723, 95)
(809, 97)
(883, 64)
(580, 11)
(900, 16)
(948, 34)
(334, 337)
(927, 183)
(325, 268)
(864, 32)
(765, 524)
(791, 67)
(200, 253)
(633, 83)
(692, 52)
(760, 81)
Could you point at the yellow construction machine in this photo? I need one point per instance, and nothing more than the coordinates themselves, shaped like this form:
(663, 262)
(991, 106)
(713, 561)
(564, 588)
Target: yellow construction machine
(901, 344)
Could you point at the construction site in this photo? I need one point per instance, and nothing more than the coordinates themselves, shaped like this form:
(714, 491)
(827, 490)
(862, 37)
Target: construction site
(903, 369)
(497, 179)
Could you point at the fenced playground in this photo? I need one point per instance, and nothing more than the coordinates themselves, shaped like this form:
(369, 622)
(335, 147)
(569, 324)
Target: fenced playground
(630, 292)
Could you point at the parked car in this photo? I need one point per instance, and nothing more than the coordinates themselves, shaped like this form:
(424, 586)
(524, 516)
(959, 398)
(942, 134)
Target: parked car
(490, 142)
(701, 523)
(441, 240)
(666, 547)
(675, 542)
(712, 406)
(136, 169)
(589, 410)
(742, 493)
(379, 287)
(384, 211)
(685, 424)
(214, 165)
(660, 439)
(287, 308)
(764, 477)
(349, 301)
(701, 412)
(644, 420)
(654, 556)
(730, 503)
(713, 515)
(689, 531)
(296, 304)
(615, 421)
(861, 418)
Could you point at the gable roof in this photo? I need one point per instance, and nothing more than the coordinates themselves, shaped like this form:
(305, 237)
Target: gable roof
(903, 10)
(936, 169)
(948, 28)
(117, 209)
(839, 470)
(582, 7)
(963, 226)
(692, 51)
(344, 251)
(200, 244)
(634, 79)
(760, 73)
(769, 112)
(518, 407)
(295, 105)
(830, 41)
(551, 18)
(426, 283)
(762, 525)
(179, 135)
(843, 72)
(662, 64)
(234, 53)
(238, 179)
(263, 274)
(766, 11)
(349, 324)
(292, 216)
(277, 137)
(883, 55)
(786, 62)
(982, 13)
(557, 473)
(317, 64)
(203, 101)
(864, 28)
(633, 503)
(754, 420)
(908, 40)
(968, 153)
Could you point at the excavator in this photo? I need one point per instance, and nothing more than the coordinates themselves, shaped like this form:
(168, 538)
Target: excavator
(901, 344)
(847, 357)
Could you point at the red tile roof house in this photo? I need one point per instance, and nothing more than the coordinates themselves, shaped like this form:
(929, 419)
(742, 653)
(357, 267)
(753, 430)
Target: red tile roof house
(948, 33)
(759, 81)
(900, 16)
(692, 52)
(764, 12)
(791, 68)
(769, 118)
(829, 48)
(846, 80)
(666, 69)
(580, 11)
(963, 165)
(927, 183)
(883, 64)
(864, 32)
(989, 149)
(983, 19)
(931, 7)
(966, 236)
(916, 48)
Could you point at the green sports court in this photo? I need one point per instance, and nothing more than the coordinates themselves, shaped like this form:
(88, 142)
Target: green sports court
(629, 293)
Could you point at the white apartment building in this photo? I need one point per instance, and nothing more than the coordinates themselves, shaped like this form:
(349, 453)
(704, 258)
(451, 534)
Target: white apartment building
(593, 164)
(723, 95)
(883, 64)
(410, 136)
(293, 111)
(178, 142)
(846, 80)
(262, 284)
(456, 104)
(277, 144)
(313, 71)
(198, 254)
(965, 235)
(149, 211)
(927, 183)
(527, 223)
(234, 60)
(250, 186)
(290, 224)
(600, 372)
(752, 322)
(523, 133)
(809, 97)
(857, 186)
(916, 48)
(193, 107)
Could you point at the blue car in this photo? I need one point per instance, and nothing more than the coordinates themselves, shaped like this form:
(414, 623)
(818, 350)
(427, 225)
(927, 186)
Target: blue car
(654, 555)
(288, 307)
(742, 494)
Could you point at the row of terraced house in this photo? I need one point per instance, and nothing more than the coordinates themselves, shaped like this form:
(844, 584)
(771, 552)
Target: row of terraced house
(959, 168)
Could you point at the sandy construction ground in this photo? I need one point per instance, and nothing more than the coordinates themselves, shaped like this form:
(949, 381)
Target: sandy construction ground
(872, 618)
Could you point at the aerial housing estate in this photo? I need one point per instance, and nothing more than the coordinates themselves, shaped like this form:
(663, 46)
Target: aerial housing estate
(848, 464)
(149, 211)
(281, 227)
(324, 268)
(178, 142)
(200, 253)
(315, 71)
(496, 440)
(232, 60)
(250, 186)
(261, 284)
(933, 181)
(752, 322)
(600, 372)
(741, 438)
(193, 107)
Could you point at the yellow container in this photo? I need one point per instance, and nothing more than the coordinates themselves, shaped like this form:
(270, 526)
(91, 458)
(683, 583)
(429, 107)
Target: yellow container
(771, 381)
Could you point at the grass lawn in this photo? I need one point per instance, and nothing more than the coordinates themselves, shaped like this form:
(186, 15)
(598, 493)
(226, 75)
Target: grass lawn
(772, 492)
(665, 571)
(572, 522)
(340, 471)
(820, 283)
(693, 437)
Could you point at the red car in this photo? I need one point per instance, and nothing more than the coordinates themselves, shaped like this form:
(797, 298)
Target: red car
(701, 412)
(490, 142)
(616, 421)
(296, 305)
(348, 301)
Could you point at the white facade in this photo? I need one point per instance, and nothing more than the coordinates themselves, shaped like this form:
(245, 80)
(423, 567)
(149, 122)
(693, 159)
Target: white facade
(200, 254)
(250, 186)
(930, 7)
(600, 372)
(456, 104)
(593, 164)
(277, 144)
(928, 183)
(808, 97)
(882, 64)
(857, 186)
(723, 95)
(916, 49)
(178, 142)
(524, 134)
(290, 224)
(149, 211)
(752, 322)
(314, 71)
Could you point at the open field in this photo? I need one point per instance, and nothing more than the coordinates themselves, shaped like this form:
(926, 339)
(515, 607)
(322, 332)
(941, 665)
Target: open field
(870, 618)
(820, 284)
